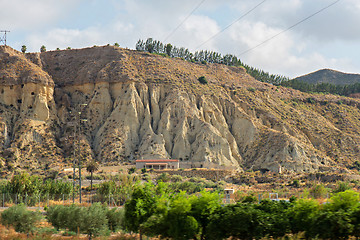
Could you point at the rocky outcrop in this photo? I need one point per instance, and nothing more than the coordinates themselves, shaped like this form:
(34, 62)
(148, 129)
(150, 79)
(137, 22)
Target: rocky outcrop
(139, 105)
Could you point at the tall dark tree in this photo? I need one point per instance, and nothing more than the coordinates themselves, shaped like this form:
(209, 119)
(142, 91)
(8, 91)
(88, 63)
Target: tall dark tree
(91, 167)
(168, 49)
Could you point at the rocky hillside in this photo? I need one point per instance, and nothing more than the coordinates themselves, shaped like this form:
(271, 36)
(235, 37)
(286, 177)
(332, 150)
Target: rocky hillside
(140, 105)
(330, 76)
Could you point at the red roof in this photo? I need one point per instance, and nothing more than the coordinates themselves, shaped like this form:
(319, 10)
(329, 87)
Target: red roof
(159, 161)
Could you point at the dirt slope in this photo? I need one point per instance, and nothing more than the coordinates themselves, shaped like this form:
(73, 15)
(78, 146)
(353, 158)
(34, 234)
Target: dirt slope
(141, 105)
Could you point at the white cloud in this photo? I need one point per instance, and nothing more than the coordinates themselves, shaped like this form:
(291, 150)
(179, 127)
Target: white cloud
(24, 15)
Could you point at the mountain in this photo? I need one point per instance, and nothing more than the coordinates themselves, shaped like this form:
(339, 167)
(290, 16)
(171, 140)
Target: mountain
(330, 76)
(141, 105)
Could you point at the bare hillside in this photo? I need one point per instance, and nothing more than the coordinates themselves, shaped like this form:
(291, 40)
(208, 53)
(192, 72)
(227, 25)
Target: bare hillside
(141, 105)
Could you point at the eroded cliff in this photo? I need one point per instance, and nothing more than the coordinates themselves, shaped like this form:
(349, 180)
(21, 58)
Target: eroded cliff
(140, 105)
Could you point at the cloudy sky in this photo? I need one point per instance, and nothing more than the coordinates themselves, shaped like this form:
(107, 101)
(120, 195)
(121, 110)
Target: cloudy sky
(330, 39)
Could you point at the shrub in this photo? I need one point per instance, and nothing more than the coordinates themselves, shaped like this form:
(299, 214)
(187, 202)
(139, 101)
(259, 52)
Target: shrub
(341, 187)
(115, 219)
(20, 218)
(176, 178)
(251, 89)
(164, 177)
(92, 220)
(202, 80)
(132, 170)
(42, 48)
(310, 100)
(318, 191)
(296, 183)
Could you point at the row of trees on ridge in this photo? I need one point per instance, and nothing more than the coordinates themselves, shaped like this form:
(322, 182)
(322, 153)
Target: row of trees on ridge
(155, 46)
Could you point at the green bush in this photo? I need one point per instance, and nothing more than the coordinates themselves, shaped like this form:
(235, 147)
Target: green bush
(164, 177)
(202, 80)
(92, 220)
(132, 170)
(341, 187)
(318, 191)
(176, 178)
(115, 219)
(20, 218)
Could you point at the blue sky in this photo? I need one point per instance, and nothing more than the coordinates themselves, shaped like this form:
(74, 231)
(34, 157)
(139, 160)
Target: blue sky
(330, 39)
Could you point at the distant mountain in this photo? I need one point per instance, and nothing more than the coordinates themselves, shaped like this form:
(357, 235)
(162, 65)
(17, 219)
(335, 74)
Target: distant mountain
(330, 76)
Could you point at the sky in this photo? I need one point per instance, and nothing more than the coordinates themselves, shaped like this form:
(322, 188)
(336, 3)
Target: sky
(329, 39)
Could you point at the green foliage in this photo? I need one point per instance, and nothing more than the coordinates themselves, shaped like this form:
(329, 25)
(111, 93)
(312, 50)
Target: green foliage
(344, 90)
(143, 204)
(302, 214)
(23, 48)
(168, 49)
(249, 199)
(116, 44)
(296, 183)
(20, 218)
(356, 165)
(164, 177)
(180, 224)
(342, 187)
(202, 207)
(204, 57)
(332, 225)
(251, 89)
(42, 48)
(132, 170)
(107, 188)
(310, 100)
(24, 184)
(176, 178)
(318, 191)
(92, 220)
(202, 80)
(240, 221)
(116, 219)
(346, 201)
(187, 186)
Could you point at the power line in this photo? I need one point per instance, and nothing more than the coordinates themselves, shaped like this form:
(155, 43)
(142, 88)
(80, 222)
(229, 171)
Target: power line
(238, 19)
(292, 26)
(184, 20)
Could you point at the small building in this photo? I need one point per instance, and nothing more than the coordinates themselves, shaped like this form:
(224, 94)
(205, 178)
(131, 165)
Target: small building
(229, 196)
(157, 164)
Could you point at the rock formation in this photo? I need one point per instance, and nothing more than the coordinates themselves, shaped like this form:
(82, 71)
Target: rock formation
(140, 105)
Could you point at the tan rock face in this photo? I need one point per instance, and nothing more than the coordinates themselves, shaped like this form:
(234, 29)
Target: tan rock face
(139, 105)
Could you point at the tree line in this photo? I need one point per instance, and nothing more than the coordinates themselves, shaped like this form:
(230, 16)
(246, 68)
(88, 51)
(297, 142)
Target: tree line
(344, 90)
(205, 56)
(157, 210)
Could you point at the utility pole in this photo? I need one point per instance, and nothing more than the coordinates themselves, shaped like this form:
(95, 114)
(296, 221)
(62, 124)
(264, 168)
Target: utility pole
(3, 36)
(74, 157)
(73, 124)
(79, 149)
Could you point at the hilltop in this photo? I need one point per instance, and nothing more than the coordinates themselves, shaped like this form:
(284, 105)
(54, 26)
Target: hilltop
(142, 105)
(329, 76)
